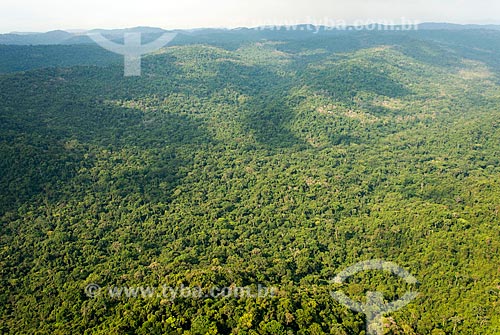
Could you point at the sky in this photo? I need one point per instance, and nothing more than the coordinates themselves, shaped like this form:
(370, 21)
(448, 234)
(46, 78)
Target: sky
(46, 15)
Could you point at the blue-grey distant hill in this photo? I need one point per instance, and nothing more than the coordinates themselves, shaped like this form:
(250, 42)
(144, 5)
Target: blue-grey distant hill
(453, 26)
(27, 51)
(60, 37)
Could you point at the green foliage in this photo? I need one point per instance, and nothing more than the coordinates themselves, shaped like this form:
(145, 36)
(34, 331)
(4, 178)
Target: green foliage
(24, 58)
(277, 163)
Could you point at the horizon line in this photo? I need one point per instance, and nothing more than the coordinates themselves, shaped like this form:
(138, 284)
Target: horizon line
(77, 30)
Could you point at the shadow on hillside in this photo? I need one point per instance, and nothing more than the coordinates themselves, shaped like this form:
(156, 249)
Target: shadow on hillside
(71, 145)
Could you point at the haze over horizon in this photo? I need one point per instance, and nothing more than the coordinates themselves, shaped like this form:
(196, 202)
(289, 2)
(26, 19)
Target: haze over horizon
(26, 16)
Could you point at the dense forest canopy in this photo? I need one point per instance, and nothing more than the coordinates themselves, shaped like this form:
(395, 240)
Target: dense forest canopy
(246, 158)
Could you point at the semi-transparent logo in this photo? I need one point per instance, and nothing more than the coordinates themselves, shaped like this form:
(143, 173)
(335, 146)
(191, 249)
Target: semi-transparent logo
(132, 49)
(375, 307)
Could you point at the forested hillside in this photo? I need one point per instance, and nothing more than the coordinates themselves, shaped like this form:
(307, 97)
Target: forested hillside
(255, 158)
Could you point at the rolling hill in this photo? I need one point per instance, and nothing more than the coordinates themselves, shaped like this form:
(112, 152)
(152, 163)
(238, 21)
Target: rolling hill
(243, 158)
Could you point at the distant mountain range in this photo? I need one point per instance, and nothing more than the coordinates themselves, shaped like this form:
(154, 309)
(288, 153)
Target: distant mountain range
(453, 26)
(61, 37)
(52, 37)
(58, 37)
